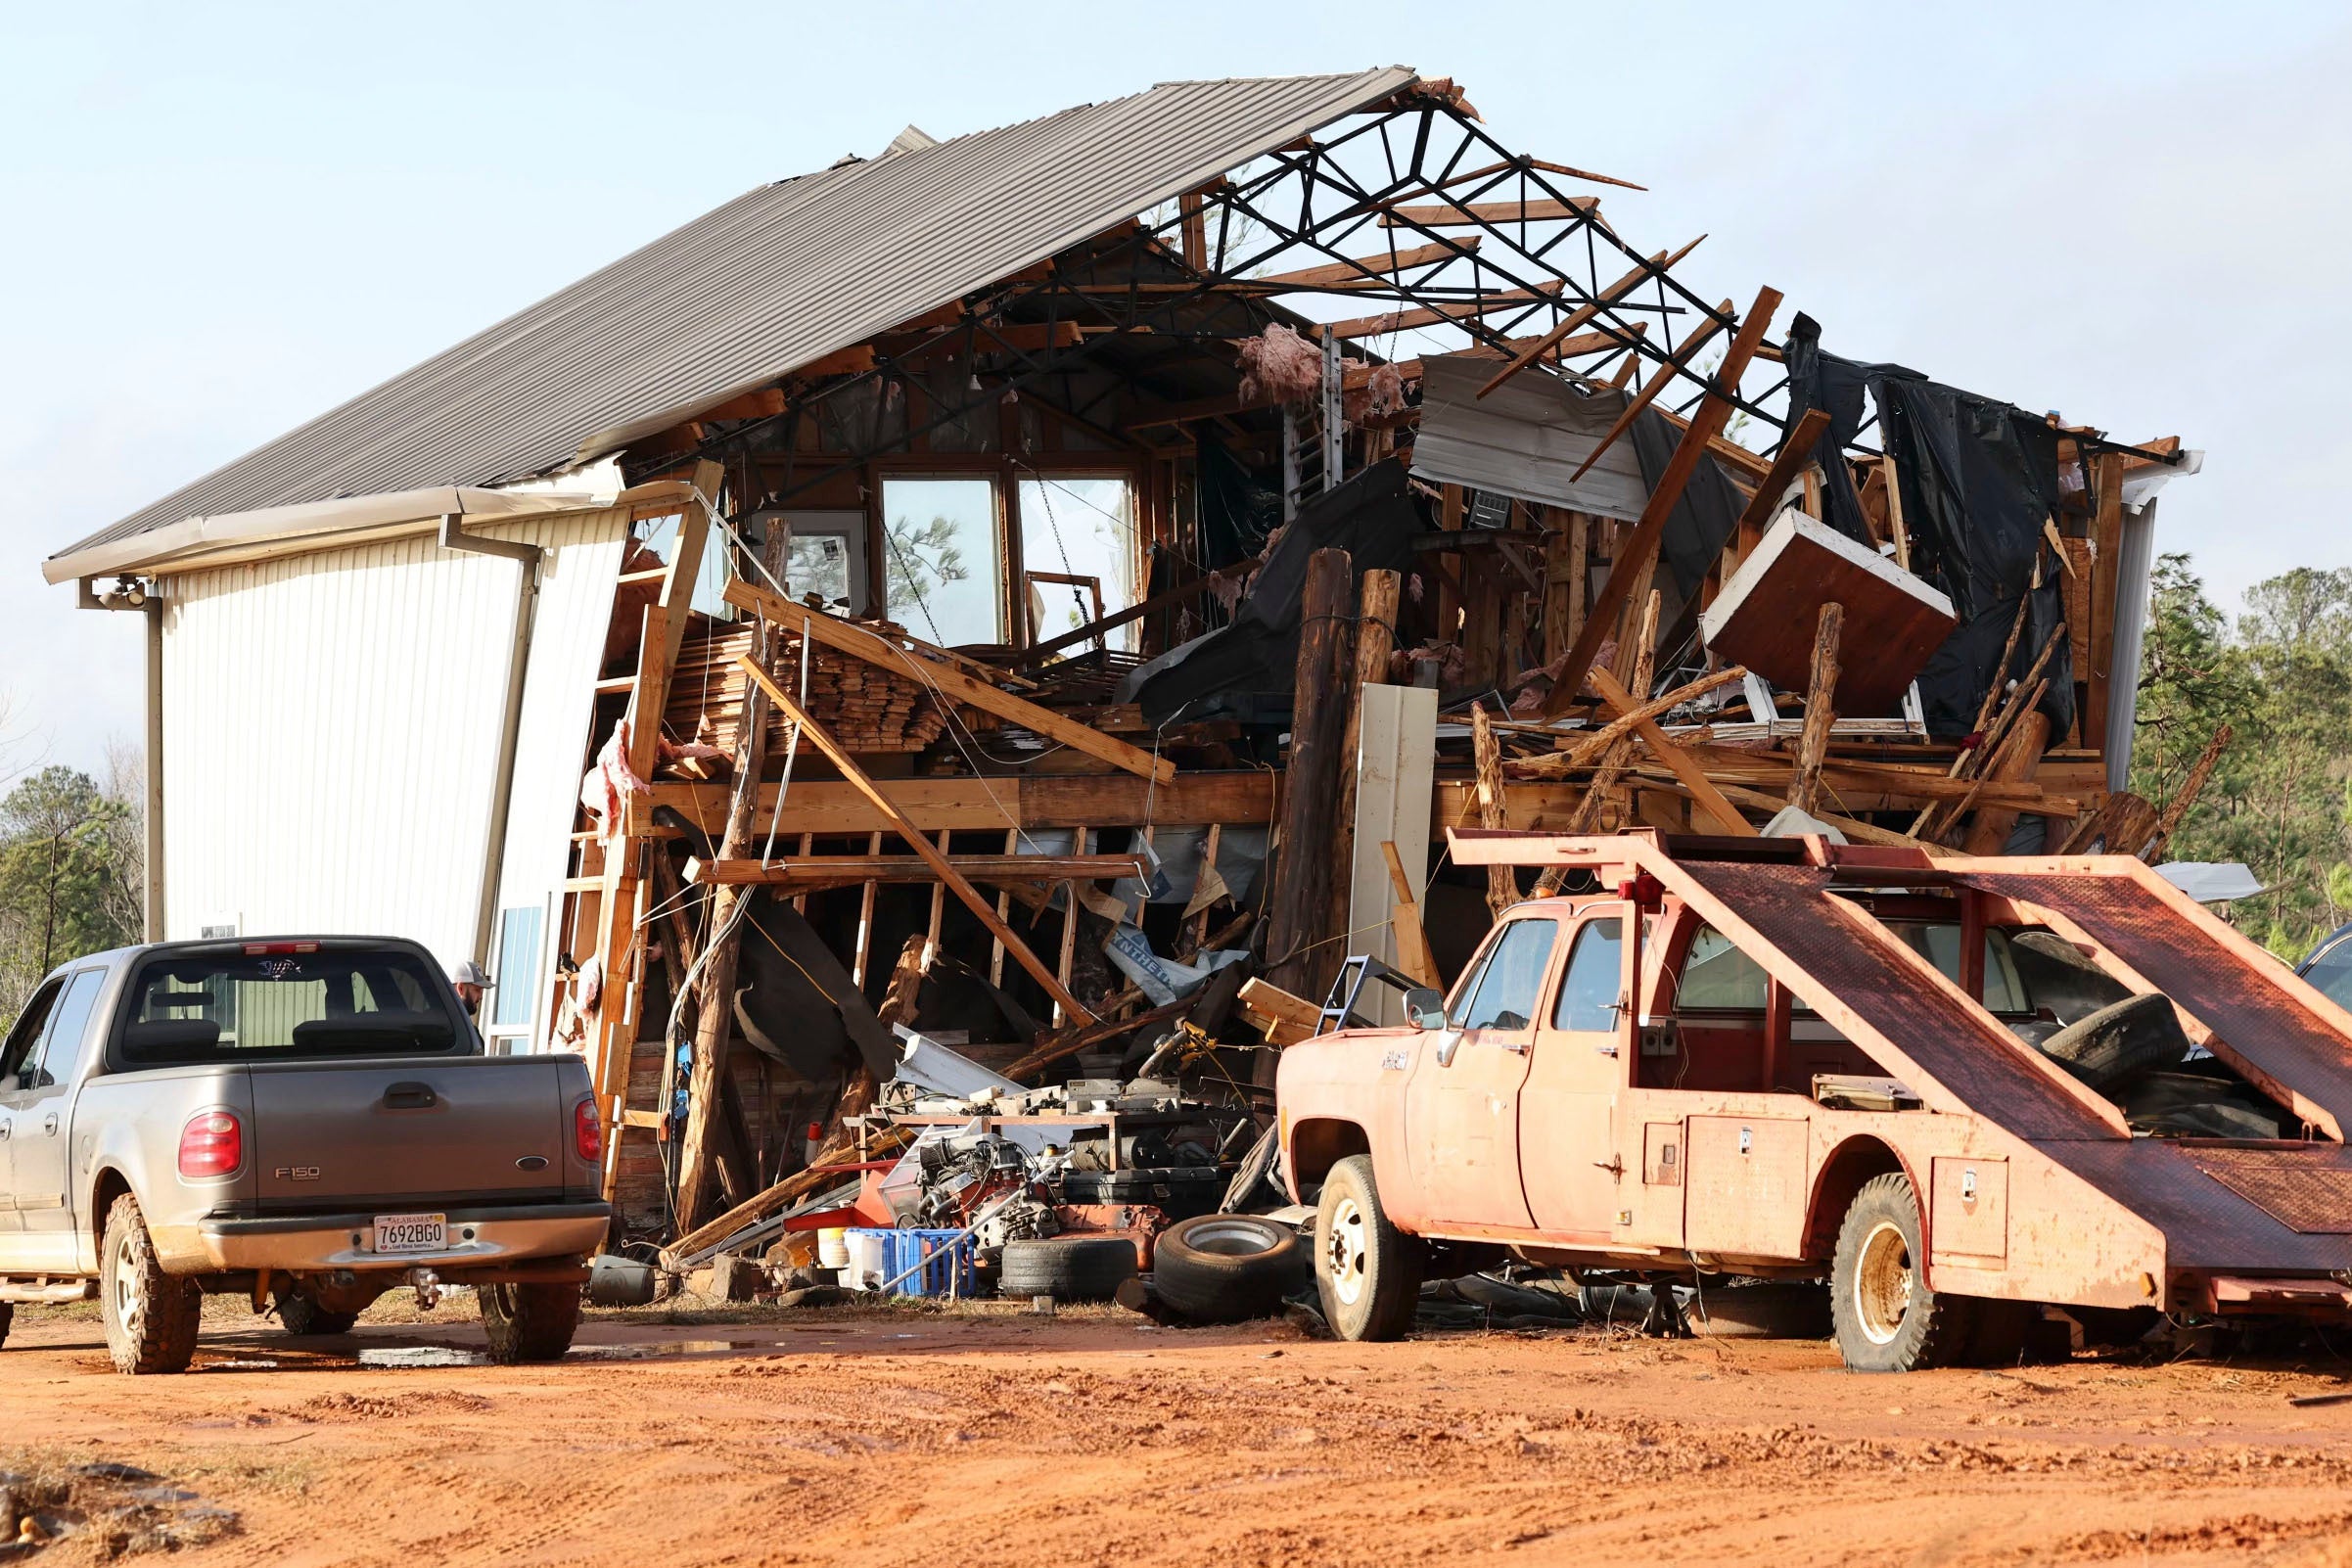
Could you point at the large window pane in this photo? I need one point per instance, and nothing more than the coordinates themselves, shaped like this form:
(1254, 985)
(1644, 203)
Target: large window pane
(941, 571)
(1513, 978)
(1595, 978)
(518, 968)
(1085, 528)
(1717, 977)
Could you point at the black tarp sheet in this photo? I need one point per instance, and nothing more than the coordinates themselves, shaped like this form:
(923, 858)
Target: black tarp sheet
(1374, 516)
(1980, 477)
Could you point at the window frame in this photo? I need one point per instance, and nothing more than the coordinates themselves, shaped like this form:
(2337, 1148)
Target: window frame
(1485, 963)
(21, 1048)
(42, 1078)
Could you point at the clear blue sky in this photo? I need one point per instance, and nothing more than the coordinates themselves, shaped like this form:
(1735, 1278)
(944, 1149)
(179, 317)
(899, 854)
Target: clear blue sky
(225, 219)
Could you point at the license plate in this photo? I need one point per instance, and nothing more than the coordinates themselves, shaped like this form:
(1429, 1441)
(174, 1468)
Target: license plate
(412, 1232)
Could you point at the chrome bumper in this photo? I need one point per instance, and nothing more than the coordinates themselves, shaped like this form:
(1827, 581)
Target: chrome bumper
(313, 1243)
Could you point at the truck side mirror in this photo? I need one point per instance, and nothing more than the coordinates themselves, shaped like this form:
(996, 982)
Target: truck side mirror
(1425, 1007)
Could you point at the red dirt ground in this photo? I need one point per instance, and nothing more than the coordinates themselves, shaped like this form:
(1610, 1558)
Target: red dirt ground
(910, 1436)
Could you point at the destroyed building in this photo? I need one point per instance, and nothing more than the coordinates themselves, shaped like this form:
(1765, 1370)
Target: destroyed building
(1151, 525)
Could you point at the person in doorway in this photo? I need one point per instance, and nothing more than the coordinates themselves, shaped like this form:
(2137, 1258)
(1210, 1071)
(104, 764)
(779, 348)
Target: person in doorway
(471, 982)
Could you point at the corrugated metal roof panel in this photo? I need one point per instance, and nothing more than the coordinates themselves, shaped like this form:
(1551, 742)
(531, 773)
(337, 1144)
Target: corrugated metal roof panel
(775, 278)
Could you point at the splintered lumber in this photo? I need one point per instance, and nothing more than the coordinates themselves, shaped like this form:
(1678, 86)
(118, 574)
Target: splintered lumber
(1787, 463)
(1485, 170)
(680, 574)
(1684, 766)
(1486, 758)
(1413, 942)
(1370, 269)
(1299, 911)
(1639, 550)
(947, 680)
(922, 845)
(1821, 710)
(1375, 640)
(2022, 699)
(1280, 1017)
(1069, 1042)
(2191, 788)
(1614, 761)
(2121, 824)
(1655, 266)
(828, 1169)
(1413, 316)
(841, 870)
(1453, 214)
(1678, 364)
(1589, 749)
(2019, 756)
(1767, 612)
(1855, 829)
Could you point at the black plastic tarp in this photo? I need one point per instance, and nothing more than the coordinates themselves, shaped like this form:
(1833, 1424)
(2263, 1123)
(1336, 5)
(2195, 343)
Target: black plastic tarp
(1374, 516)
(1979, 479)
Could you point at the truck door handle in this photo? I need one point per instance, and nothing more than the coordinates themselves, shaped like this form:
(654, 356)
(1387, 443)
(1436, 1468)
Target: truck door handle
(49, 1125)
(410, 1097)
(5, 1125)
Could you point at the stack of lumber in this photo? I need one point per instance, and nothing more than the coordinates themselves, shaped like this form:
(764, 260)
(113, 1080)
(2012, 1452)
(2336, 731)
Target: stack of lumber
(867, 707)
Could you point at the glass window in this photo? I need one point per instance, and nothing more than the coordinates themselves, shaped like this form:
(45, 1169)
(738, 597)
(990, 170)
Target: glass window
(1939, 942)
(69, 1027)
(1718, 977)
(1595, 978)
(26, 1032)
(2330, 972)
(303, 1005)
(518, 967)
(1078, 546)
(940, 566)
(1511, 983)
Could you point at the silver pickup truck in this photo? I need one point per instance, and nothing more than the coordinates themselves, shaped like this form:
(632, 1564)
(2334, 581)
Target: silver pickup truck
(310, 1121)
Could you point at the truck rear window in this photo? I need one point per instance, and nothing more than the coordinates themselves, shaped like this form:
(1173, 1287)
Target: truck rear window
(285, 1005)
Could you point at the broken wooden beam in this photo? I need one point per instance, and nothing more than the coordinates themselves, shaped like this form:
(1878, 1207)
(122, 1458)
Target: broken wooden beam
(1655, 266)
(831, 870)
(949, 681)
(1370, 269)
(1683, 765)
(1821, 709)
(915, 839)
(1456, 214)
(1677, 364)
(1639, 550)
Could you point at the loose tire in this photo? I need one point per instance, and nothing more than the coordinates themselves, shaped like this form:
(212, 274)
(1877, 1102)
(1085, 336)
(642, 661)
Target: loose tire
(528, 1322)
(1066, 1267)
(2137, 1035)
(151, 1316)
(1887, 1319)
(303, 1317)
(1367, 1271)
(1226, 1268)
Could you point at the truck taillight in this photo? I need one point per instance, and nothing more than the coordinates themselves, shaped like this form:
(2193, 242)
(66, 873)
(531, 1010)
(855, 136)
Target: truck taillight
(586, 1136)
(211, 1145)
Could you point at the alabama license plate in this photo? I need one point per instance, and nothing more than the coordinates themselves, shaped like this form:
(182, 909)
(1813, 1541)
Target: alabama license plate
(412, 1232)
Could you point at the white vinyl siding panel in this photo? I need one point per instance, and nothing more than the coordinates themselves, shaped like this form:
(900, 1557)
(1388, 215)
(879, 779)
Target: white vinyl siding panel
(331, 731)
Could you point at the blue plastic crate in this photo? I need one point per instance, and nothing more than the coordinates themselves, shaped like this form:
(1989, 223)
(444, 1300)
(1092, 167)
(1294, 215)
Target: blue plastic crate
(947, 1259)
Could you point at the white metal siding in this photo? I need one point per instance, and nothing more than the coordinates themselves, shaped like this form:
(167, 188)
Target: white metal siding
(331, 731)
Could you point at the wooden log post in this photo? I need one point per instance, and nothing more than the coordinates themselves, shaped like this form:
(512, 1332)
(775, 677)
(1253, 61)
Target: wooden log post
(1486, 759)
(1375, 640)
(714, 1009)
(1299, 911)
(1821, 711)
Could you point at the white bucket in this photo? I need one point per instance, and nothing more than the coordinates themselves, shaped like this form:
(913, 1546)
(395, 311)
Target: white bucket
(833, 1247)
(868, 1255)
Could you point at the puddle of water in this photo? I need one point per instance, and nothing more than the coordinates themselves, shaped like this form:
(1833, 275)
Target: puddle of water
(670, 1347)
(423, 1355)
(244, 1366)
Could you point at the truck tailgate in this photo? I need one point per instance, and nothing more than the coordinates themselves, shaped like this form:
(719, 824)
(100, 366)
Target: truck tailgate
(377, 1133)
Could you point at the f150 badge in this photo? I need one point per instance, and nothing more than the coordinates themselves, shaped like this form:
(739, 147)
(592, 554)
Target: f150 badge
(297, 1173)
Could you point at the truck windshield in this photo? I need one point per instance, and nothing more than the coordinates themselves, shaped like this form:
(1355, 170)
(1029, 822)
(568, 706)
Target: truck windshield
(280, 1003)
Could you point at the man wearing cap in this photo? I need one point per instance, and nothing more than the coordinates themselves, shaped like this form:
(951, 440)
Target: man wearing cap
(471, 982)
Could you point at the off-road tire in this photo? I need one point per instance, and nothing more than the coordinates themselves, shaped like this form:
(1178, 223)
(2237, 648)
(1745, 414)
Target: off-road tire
(1226, 1268)
(2137, 1035)
(8, 1316)
(1366, 1271)
(1066, 1267)
(151, 1316)
(1886, 1318)
(304, 1317)
(528, 1322)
